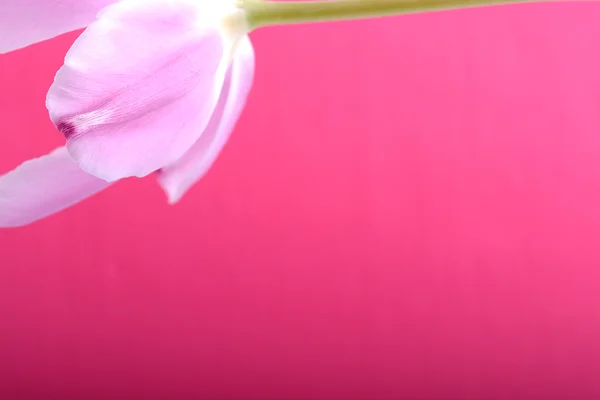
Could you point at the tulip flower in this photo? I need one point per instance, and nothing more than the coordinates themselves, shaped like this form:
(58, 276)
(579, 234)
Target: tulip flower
(150, 86)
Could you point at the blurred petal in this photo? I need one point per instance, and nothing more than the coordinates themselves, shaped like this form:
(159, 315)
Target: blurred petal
(24, 22)
(177, 178)
(139, 86)
(43, 186)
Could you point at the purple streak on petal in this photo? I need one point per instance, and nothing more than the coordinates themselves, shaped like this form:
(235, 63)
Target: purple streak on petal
(66, 128)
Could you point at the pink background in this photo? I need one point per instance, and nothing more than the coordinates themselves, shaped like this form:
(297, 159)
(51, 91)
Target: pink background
(409, 208)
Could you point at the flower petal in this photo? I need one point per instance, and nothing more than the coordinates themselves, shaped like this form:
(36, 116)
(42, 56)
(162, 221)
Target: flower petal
(139, 86)
(44, 186)
(24, 22)
(177, 178)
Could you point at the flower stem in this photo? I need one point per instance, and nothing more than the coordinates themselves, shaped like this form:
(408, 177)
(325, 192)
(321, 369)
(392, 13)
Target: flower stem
(261, 13)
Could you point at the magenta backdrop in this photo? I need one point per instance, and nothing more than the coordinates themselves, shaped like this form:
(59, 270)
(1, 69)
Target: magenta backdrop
(409, 208)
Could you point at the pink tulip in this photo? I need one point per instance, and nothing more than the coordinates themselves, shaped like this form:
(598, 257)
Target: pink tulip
(149, 86)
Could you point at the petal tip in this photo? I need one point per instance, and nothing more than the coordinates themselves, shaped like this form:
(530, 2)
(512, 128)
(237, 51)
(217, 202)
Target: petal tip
(173, 191)
(173, 196)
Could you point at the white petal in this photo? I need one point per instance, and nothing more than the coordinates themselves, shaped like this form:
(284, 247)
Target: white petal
(177, 178)
(44, 186)
(140, 85)
(24, 22)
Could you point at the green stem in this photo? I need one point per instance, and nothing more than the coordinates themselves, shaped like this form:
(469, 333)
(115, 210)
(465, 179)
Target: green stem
(265, 13)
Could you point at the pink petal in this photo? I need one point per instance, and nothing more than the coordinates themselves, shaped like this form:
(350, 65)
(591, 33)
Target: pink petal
(139, 86)
(43, 186)
(24, 22)
(177, 178)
